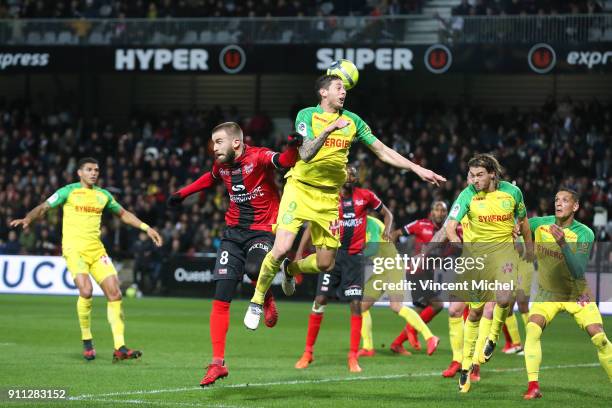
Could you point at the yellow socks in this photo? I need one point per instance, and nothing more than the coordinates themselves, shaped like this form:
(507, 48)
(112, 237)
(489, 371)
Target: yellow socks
(415, 321)
(84, 313)
(483, 331)
(604, 352)
(366, 330)
(115, 318)
(470, 333)
(499, 317)
(525, 317)
(533, 351)
(305, 265)
(455, 331)
(269, 268)
(513, 330)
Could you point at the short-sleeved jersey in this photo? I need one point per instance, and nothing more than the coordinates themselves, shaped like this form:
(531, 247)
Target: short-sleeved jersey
(553, 272)
(374, 236)
(465, 229)
(249, 181)
(491, 215)
(82, 215)
(327, 167)
(423, 231)
(353, 211)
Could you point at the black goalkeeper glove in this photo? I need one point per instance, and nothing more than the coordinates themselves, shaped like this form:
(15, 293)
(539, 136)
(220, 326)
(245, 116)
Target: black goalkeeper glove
(174, 200)
(294, 139)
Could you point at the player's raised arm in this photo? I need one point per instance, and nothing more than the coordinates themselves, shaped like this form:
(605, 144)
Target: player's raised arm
(130, 219)
(393, 158)
(58, 198)
(32, 216)
(205, 181)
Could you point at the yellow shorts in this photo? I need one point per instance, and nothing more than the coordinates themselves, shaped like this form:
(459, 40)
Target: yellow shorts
(489, 263)
(389, 281)
(95, 263)
(301, 203)
(585, 314)
(525, 276)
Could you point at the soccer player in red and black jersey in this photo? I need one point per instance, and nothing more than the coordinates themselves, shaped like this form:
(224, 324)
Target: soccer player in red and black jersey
(345, 281)
(248, 175)
(423, 231)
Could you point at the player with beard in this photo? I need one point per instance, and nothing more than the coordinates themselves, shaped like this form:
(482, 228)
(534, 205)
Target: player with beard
(248, 175)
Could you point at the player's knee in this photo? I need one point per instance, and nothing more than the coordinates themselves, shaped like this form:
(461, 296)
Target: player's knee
(86, 293)
(355, 307)
(325, 265)
(318, 307)
(114, 294)
(537, 319)
(321, 300)
(395, 306)
(594, 329)
(475, 314)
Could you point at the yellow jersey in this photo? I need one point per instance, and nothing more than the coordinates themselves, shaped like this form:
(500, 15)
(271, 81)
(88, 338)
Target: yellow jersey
(82, 215)
(561, 271)
(328, 167)
(491, 215)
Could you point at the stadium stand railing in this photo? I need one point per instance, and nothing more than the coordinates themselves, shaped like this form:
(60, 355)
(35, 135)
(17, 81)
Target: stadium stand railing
(396, 30)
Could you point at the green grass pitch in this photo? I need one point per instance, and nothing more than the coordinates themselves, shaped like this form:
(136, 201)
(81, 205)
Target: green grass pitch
(40, 348)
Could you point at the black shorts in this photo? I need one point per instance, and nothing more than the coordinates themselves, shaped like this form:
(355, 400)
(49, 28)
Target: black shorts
(345, 281)
(422, 297)
(236, 244)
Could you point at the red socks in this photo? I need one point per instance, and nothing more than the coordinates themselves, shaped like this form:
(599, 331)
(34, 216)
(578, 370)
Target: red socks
(314, 324)
(355, 334)
(427, 314)
(219, 324)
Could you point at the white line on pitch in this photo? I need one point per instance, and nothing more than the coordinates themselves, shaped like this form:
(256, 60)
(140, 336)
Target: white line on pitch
(163, 403)
(314, 381)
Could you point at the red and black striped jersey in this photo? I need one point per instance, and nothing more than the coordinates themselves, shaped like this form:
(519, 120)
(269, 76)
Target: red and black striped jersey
(353, 218)
(249, 181)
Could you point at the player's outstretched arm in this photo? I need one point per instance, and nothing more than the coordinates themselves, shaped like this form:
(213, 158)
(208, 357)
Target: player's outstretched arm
(32, 216)
(289, 157)
(205, 181)
(310, 147)
(390, 156)
(130, 219)
(451, 231)
(388, 220)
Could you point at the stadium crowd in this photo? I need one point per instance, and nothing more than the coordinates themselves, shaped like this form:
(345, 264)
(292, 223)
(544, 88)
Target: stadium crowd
(564, 142)
(517, 7)
(154, 9)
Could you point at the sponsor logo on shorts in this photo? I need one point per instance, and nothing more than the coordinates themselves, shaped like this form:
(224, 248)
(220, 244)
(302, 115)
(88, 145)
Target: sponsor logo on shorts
(353, 291)
(222, 271)
(324, 288)
(105, 260)
(260, 245)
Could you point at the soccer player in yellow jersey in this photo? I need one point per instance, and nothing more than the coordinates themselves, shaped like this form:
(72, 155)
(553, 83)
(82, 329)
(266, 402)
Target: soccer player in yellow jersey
(313, 184)
(83, 204)
(563, 246)
(491, 205)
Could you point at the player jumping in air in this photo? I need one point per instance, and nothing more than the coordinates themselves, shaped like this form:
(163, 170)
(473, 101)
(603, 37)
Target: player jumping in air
(563, 246)
(311, 191)
(426, 302)
(83, 204)
(346, 279)
(491, 205)
(248, 175)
